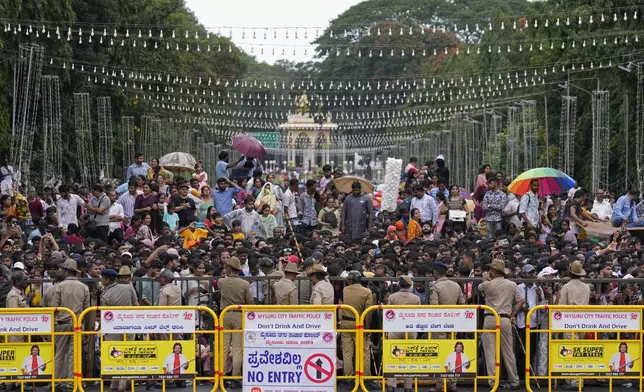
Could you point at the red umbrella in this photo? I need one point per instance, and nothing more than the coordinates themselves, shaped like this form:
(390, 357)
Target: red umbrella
(249, 146)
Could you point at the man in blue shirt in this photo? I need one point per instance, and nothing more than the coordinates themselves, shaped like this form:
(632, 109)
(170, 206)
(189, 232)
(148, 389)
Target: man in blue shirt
(624, 212)
(138, 168)
(221, 170)
(223, 195)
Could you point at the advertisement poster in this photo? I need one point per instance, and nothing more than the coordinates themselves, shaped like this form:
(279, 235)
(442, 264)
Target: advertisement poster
(26, 361)
(429, 320)
(591, 320)
(595, 358)
(148, 320)
(425, 359)
(306, 320)
(293, 361)
(143, 360)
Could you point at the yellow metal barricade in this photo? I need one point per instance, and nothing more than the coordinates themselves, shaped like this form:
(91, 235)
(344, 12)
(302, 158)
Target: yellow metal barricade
(27, 340)
(155, 345)
(601, 343)
(445, 348)
(277, 346)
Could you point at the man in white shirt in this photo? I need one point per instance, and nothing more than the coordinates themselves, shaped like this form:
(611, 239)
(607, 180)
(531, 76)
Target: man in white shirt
(117, 216)
(290, 202)
(425, 204)
(601, 206)
(67, 207)
(533, 296)
(529, 205)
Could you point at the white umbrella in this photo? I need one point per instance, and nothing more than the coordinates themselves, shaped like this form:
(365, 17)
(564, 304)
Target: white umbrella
(181, 160)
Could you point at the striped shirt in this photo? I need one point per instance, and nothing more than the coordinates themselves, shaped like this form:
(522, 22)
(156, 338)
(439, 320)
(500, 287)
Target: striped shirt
(127, 201)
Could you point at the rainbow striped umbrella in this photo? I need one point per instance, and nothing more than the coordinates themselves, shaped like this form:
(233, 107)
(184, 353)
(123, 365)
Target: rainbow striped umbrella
(551, 181)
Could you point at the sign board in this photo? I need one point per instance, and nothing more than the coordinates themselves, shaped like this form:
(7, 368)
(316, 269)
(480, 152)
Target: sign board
(26, 361)
(599, 358)
(297, 320)
(293, 361)
(268, 139)
(33, 323)
(593, 320)
(429, 320)
(425, 359)
(147, 320)
(142, 360)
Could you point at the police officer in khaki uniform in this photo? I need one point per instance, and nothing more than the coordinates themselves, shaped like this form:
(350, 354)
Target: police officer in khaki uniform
(74, 295)
(285, 290)
(360, 298)
(274, 275)
(304, 285)
(169, 294)
(500, 294)
(16, 298)
(403, 297)
(45, 301)
(234, 291)
(115, 294)
(322, 293)
(575, 292)
(444, 292)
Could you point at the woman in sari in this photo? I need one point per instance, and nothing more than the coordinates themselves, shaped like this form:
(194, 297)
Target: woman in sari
(266, 196)
(155, 169)
(144, 233)
(413, 228)
(257, 187)
(279, 194)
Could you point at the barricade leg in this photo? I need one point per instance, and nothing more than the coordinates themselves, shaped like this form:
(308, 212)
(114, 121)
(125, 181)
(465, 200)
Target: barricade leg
(233, 342)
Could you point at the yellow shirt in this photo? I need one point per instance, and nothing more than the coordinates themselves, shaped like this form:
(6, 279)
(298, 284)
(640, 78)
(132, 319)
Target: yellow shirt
(238, 236)
(191, 237)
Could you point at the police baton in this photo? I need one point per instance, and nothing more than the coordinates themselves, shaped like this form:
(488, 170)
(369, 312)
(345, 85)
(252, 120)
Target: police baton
(180, 366)
(461, 365)
(297, 244)
(627, 364)
(527, 359)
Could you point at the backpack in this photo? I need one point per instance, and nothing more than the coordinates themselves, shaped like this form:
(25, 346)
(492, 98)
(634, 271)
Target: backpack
(331, 218)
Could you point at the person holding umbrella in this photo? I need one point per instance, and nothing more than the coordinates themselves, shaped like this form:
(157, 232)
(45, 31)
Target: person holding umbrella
(221, 170)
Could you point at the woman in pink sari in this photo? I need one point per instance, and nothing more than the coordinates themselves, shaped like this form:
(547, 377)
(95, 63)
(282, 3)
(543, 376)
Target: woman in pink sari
(442, 212)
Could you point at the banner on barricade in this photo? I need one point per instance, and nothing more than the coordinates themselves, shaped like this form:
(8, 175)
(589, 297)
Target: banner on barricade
(26, 361)
(147, 320)
(599, 358)
(144, 360)
(593, 320)
(429, 359)
(34, 323)
(310, 320)
(425, 319)
(293, 361)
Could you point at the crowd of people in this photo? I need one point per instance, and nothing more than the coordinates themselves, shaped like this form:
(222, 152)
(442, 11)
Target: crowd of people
(249, 237)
